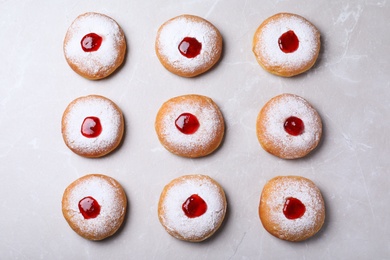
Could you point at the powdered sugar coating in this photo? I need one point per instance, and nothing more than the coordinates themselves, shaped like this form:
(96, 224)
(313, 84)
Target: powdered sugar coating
(208, 135)
(109, 195)
(270, 126)
(267, 48)
(174, 218)
(283, 187)
(172, 32)
(105, 59)
(110, 119)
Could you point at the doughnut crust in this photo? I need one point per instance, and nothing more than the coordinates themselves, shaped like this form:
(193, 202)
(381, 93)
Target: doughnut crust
(101, 63)
(270, 127)
(270, 56)
(111, 119)
(172, 32)
(110, 196)
(172, 216)
(272, 202)
(205, 140)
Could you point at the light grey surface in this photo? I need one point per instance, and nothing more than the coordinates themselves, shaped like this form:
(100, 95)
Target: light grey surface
(349, 86)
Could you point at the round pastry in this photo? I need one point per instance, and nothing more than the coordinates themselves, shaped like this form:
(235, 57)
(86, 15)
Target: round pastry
(94, 45)
(188, 45)
(92, 126)
(286, 44)
(94, 206)
(192, 207)
(190, 125)
(291, 208)
(288, 127)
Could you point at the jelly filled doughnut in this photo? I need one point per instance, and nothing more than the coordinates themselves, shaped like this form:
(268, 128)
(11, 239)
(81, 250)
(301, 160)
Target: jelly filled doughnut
(188, 45)
(192, 207)
(94, 206)
(94, 46)
(286, 44)
(190, 125)
(288, 127)
(291, 208)
(92, 126)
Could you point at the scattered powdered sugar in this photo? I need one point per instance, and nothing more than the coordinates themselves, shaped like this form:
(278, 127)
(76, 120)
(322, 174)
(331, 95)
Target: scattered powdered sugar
(95, 61)
(87, 106)
(174, 31)
(281, 107)
(268, 44)
(106, 194)
(193, 228)
(209, 124)
(302, 189)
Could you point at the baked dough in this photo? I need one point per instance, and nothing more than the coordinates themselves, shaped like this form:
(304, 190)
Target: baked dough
(110, 118)
(204, 140)
(295, 29)
(177, 194)
(276, 195)
(110, 197)
(271, 131)
(107, 58)
(186, 28)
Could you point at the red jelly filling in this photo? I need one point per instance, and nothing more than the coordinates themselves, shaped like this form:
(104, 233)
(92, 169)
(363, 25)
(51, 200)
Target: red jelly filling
(187, 123)
(288, 42)
(190, 47)
(194, 206)
(91, 42)
(91, 127)
(89, 207)
(293, 208)
(294, 126)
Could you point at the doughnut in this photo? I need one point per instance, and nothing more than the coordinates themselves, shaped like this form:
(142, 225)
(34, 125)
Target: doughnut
(192, 207)
(188, 45)
(94, 46)
(288, 127)
(190, 125)
(94, 206)
(286, 44)
(291, 208)
(92, 126)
